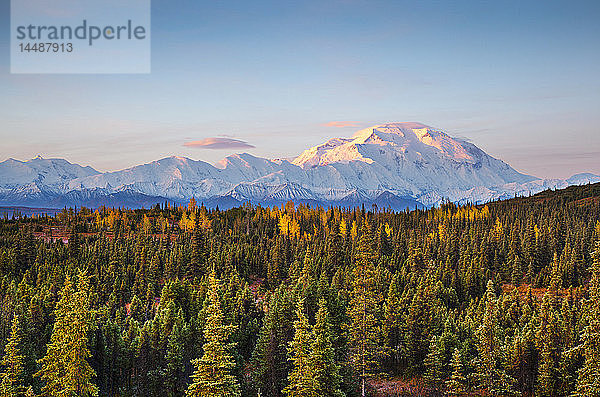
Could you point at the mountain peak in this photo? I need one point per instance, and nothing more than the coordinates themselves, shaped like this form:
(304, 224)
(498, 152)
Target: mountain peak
(49, 172)
(401, 138)
(387, 162)
(399, 128)
(403, 125)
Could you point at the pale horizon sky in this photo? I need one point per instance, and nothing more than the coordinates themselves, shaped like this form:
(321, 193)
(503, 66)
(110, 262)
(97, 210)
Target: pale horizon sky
(519, 79)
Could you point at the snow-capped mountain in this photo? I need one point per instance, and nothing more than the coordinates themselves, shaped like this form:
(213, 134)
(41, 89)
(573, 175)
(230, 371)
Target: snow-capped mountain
(37, 181)
(394, 165)
(409, 159)
(47, 172)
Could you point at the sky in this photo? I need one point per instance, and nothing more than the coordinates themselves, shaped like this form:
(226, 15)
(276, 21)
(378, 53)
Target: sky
(519, 79)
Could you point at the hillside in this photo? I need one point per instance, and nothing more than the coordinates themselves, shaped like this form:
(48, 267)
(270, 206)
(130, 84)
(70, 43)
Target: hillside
(492, 299)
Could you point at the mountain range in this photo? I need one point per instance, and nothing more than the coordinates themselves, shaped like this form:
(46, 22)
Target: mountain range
(395, 165)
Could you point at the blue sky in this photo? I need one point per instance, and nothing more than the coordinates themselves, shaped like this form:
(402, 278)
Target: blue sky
(517, 78)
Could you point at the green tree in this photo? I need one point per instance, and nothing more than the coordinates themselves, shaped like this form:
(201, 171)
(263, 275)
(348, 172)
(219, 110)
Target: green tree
(212, 375)
(394, 322)
(588, 381)
(434, 363)
(549, 338)
(174, 356)
(11, 383)
(301, 379)
(325, 370)
(517, 272)
(269, 359)
(199, 252)
(456, 385)
(417, 335)
(65, 369)
(365, 329)
(490, 373)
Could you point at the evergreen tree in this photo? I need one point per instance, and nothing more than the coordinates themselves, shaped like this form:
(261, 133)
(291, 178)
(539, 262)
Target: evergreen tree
(490, 373)
(65, 369)
(174, 356)
(417, 335)
(269, 358)
(199, 250)
(212, 375)
(322, 358)
(588, 381)
(301, 379)
(431, 266)
(275, 263)
(456, 385)
(517, 272)
(394, 324)
(434, 363)
(11, 380)
(549, 338)
(365, 331)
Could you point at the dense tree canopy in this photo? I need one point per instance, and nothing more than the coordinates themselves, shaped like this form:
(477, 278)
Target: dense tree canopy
(496, 299)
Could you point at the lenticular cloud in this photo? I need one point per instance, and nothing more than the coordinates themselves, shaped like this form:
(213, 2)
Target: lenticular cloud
(218, 143)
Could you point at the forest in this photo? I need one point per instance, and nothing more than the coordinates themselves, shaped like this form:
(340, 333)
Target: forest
(501, 299)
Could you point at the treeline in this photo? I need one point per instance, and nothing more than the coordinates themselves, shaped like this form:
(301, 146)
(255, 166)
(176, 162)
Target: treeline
(502, 299)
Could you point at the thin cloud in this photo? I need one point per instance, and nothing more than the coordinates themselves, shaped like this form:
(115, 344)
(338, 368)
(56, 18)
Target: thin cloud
(219, 143)
(341, 124)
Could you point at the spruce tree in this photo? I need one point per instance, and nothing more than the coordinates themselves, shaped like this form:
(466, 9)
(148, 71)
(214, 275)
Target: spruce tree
(549, 340)
(269, 358)
(588, 381)
(199, 250)
(65, 369)
(517, 272)
(325, 370)
(212, 375)
(174, 356)
(394, 323)
(456, 385)
(417, 333)
(489, 371)
(365, 327)
(434, 363)
(301, 379)
(11, 380)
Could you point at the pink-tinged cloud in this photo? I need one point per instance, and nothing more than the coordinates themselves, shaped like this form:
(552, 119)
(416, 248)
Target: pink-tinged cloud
(341, 124)
(219, 143)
